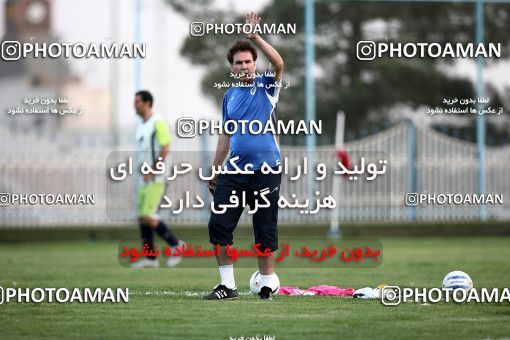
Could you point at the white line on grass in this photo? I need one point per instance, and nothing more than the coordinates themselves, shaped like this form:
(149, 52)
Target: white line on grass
(187, 293)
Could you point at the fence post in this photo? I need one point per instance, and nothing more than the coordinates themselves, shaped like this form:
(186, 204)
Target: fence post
(480, 120)
(411, 142)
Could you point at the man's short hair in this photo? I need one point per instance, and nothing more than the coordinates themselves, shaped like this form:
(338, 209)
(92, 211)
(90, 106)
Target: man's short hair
(241, 46)
(146, 96)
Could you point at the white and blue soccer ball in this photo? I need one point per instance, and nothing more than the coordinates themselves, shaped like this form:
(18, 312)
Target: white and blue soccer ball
(457, 280)
(255, 283)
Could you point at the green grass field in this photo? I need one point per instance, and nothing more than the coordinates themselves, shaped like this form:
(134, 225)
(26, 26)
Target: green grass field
(165, 303)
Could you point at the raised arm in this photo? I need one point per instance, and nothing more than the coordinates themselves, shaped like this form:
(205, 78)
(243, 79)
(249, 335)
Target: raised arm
(269, 51)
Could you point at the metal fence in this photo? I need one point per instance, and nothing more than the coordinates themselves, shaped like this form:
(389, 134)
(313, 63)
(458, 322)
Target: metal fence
(441, 165)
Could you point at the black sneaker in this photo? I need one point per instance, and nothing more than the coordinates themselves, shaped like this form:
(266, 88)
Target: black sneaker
(265, 293)
(221, 292)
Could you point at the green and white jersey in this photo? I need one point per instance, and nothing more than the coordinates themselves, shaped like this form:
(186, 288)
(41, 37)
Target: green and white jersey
(151, 135)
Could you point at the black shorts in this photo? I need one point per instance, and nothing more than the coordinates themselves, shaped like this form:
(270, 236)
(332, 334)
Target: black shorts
(265, 220)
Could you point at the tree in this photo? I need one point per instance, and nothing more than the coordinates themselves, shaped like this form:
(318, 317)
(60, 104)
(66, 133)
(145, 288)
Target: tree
(364, 90)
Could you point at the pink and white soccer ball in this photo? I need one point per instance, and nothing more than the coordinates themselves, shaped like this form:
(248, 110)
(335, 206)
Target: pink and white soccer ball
(255, 283)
